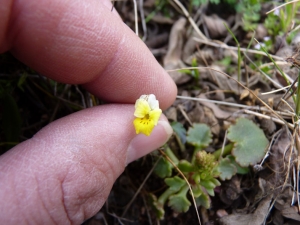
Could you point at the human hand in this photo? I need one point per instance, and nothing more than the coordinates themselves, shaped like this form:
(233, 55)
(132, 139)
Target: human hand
(65, 172)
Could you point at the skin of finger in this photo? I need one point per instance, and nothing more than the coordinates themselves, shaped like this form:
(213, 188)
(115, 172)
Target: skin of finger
(83, 42)
(66, 171)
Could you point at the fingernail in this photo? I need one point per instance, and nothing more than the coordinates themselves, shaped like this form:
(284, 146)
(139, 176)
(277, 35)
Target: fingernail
(167, 127)
(142, 145)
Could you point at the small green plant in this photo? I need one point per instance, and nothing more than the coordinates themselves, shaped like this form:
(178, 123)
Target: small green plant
(250, 10)
(199, 2)
(279, 22)
(194, 72)
(203, 171)
(250, 13)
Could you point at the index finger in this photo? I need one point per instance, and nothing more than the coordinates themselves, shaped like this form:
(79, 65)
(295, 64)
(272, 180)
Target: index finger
(83, 42)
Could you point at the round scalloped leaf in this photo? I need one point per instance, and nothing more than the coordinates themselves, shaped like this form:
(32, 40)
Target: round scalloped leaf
(239, 169)
(250, 143)
(226, 169)
(163, 168)
(199, 135)
(180, 131)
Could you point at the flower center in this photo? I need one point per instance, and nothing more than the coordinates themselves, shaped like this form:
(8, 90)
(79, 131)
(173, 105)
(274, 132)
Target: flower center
(145, 120)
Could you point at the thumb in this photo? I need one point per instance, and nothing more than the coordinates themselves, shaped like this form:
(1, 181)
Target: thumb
(65, 172)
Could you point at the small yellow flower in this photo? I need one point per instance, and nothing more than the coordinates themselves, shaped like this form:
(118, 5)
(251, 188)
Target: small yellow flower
(147, 112)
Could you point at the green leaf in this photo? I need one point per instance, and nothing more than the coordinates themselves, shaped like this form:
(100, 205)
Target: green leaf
(226, 169)
(207, 184)
(240, 169)
(211, 192)
(210, 185)
(179, 202)
(199, 135)
(203, 200)
(250, 142)
(185, 71)
(179, 131)
(175, 183)
(195, 72)
(197, 190)
(215, 181)
(163, 168)
(158, 207)
(185, 166)
(21, 81)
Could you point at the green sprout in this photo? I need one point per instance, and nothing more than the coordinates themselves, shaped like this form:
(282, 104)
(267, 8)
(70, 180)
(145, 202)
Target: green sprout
(203, 171)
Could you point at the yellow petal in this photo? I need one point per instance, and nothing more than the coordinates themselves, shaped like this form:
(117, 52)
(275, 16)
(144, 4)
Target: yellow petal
(143, 125)
(142, 108)
(154, 115)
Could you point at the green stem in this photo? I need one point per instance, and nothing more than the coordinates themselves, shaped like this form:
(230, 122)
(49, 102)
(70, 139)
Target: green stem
(171, 155)
(226, 151)
(164, 196)
(239, 51)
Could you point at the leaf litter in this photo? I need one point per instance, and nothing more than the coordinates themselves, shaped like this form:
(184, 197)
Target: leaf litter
(187, 34)
(262, 190)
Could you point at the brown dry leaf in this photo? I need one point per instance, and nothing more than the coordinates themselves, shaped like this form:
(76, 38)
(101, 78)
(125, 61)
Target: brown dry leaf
(205, 115)
(156, 40)
(172, 60)
(256, 218)
(231, 190)
(291, 212)
(279, 160)
(220, 80)
(245, 93)
(267, 125)
(171, 113)
(202, 56)
(283, 205)
(257, 82)
(189, 47)
(215, 26)
(219, 113)
(285, 51)
(161, 19)
(260, 214)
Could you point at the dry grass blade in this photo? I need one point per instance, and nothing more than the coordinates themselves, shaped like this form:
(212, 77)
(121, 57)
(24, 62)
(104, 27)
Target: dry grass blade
(252, 92)
(136, 18)
(297, 145)
(194, 25)
(276, 120)
(225, 46)
(275, 91)
(278, 7)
